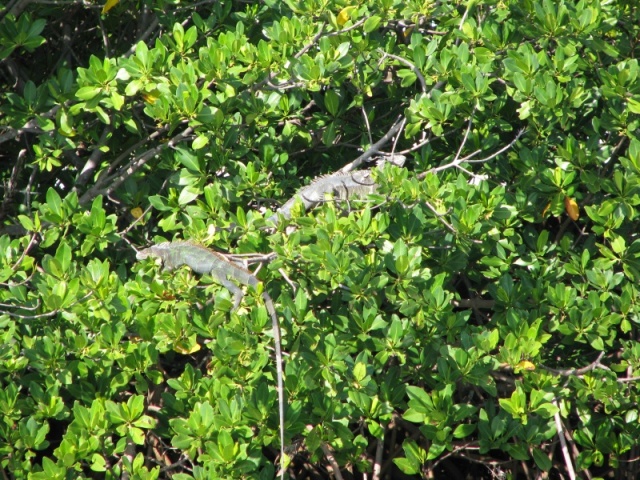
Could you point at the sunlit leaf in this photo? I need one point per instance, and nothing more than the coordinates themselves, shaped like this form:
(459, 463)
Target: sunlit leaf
(344, 15)
(571, 206)
(136, 212)
(109, 5)
(525, 365)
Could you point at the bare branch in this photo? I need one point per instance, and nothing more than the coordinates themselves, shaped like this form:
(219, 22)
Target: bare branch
(377, 465)
(46, 314)
(332, 461)
(456, 162)
(375, 148)
(146, 34)
(563, 443)
(502, 150)
(12, 185)
(94, 159)
(313, 41)
(288, 280)
(109, 183)
(395, 141)
(578, 371)
(475, 303)
(30, 127)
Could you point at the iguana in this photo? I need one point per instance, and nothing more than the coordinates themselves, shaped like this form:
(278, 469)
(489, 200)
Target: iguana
(228, 273)
(342, 185)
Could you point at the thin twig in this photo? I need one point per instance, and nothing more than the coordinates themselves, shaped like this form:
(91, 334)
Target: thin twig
(415, 69)
(290, 83)
(456, 160)
(466, 135)
(375, 148)
(366, 122)
(47, 314)
(32, 241)
(455, 163)
(439, 217)
(395, 141)
(294, 289)
(32, 126)
(313, 41)
(152, 136)
(426, 141)
(502, 150)
(139, 219)
(571, 372)
(464, 15)
(21, 307)
(347, 29)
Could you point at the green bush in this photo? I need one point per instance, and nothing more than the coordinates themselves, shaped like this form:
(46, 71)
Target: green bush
(481, 309)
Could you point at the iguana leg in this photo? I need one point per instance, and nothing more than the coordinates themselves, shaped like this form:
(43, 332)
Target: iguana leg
(235, 290)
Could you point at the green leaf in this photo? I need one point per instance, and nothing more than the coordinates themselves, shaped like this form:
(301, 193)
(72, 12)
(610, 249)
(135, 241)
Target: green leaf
(543, 462)
(200, 142)
(187, 195)
(464, 430)
(87, 93)
(372, 23)
(331, 102)
(54, 202)
(407, 466)
(408, 77)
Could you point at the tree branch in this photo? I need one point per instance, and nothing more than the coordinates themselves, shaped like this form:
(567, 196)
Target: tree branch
(109, 183)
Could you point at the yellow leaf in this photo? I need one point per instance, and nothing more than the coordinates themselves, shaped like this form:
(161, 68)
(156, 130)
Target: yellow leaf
(571, 206)
(344, 15)
(406, 34)
(136, 212)
(546, 209)
(152, 96)
(185, 347)
(525, 365)
(109, 5)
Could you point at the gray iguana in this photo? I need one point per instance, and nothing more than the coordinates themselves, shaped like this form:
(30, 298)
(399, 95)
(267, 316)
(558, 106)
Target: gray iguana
(228, 273)
(342, 185)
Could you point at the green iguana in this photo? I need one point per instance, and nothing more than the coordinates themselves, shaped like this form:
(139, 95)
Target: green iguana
(228, 273)
(342, 185)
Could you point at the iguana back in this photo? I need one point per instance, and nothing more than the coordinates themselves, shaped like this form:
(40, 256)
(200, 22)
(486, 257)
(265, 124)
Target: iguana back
(199, 259)
(343, 186)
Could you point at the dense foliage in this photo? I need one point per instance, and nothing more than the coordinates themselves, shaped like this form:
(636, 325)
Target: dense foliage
(479, 313)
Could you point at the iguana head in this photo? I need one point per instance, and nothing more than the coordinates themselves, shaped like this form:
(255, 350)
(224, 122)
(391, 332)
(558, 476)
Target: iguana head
(153, 251)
